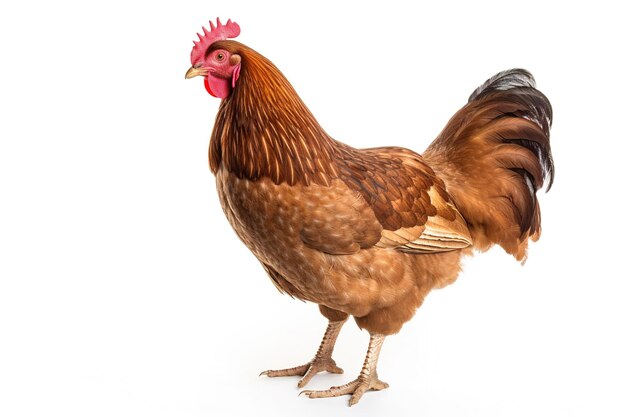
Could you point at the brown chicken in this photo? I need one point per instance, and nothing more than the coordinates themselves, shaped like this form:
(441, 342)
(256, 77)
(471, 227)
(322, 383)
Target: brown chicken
(368, 233)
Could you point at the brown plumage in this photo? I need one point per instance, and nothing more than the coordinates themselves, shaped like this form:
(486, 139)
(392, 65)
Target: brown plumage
(368, 233)
(494, 155)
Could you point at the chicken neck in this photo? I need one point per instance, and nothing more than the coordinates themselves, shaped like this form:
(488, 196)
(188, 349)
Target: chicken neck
(263, 129)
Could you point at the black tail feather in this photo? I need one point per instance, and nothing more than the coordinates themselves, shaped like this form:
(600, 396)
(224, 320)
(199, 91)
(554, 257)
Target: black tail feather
(538, 110)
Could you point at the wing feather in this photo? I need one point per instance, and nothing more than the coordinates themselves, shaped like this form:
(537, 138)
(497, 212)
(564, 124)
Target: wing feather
(398, 202)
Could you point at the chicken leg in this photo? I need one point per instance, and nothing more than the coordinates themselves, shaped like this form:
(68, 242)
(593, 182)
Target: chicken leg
(367, 379)
(322, 361)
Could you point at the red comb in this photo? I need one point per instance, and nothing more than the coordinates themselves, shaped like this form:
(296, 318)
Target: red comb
(217, 33)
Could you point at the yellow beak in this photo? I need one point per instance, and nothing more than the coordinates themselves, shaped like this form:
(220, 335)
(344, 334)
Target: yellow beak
(194, 72)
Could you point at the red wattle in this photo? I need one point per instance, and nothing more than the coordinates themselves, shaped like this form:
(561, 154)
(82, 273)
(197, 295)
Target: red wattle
(208, 88)
(217, 86)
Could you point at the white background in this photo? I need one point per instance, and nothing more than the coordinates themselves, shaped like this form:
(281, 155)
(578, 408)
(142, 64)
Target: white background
(124, 292)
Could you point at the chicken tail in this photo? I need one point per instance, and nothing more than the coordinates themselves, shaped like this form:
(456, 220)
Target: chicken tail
(494, 155)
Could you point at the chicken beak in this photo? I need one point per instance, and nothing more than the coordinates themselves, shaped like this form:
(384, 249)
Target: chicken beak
(194, 72)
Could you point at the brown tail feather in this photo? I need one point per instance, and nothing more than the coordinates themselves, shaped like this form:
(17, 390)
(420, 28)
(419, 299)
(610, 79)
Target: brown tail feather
(494, 155)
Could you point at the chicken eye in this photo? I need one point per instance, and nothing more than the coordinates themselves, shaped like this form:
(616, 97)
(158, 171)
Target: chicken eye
(219, 56)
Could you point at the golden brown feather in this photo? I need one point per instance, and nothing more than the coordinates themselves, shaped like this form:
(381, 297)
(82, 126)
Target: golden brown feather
(494, 155)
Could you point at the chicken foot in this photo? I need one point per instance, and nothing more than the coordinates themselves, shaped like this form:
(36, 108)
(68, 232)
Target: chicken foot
(367, 379)
(322, 361)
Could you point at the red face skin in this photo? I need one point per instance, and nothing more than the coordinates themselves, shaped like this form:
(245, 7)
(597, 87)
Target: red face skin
(221, 71)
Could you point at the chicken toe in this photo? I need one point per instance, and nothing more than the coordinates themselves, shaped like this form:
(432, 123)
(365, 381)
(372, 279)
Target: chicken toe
(308, 370)
(357, 388)
(367, 379)
(322, 361)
